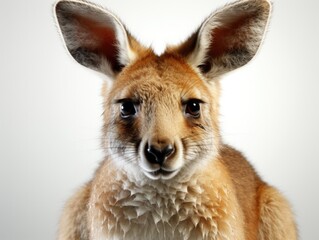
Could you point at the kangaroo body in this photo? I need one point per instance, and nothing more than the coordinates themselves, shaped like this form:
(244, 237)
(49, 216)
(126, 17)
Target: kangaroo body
(166, 173)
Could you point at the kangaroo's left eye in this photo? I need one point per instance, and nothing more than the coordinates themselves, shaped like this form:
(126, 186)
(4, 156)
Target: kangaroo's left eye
(192, 108)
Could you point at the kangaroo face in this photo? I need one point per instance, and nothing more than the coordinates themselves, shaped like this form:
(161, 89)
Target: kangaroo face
(161, 118)
(161, 112)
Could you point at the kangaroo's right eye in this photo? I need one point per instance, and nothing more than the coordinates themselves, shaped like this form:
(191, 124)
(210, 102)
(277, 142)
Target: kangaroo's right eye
(128, 109)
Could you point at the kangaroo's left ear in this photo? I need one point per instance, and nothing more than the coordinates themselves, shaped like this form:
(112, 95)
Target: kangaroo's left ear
(94, 37)
(228, 39)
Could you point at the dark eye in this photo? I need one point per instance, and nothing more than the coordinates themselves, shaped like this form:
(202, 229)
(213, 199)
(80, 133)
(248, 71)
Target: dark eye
(192, 108)
(127, 109)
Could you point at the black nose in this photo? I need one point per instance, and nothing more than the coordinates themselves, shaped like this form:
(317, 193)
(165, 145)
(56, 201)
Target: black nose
(156, 154)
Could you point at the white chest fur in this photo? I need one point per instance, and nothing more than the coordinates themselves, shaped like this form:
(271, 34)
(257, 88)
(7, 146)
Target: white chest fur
(124, 209)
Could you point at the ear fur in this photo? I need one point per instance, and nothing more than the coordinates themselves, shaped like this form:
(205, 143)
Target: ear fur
(228, 39)
(95, 37)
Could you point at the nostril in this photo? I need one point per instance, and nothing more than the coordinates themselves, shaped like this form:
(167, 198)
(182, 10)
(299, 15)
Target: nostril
(168, 150)
(155, 155)
(150, 154)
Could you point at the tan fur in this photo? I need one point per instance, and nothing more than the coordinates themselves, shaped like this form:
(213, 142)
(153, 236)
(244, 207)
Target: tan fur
(204, 189)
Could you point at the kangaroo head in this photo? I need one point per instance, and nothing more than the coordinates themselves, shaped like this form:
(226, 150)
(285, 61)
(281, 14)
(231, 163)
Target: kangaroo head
(160, 116)
(161, 112)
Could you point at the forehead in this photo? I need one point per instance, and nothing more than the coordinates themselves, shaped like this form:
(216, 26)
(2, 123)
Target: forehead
(158, 77)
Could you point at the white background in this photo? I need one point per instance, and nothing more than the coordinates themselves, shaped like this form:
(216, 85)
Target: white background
(50, 107)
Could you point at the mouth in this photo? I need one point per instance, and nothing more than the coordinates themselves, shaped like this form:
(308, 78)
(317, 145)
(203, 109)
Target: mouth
(161, 174)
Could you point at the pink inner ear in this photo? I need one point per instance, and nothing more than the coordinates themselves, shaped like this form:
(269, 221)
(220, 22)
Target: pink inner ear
(231, 37)
(103, 40)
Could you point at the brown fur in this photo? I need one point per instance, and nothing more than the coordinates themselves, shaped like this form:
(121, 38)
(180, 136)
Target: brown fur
(215, 193)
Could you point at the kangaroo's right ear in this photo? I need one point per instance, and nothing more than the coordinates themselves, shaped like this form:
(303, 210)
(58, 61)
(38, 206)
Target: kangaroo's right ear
(95, 37)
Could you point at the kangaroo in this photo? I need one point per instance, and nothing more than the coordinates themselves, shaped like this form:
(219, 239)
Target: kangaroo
(166, 172)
